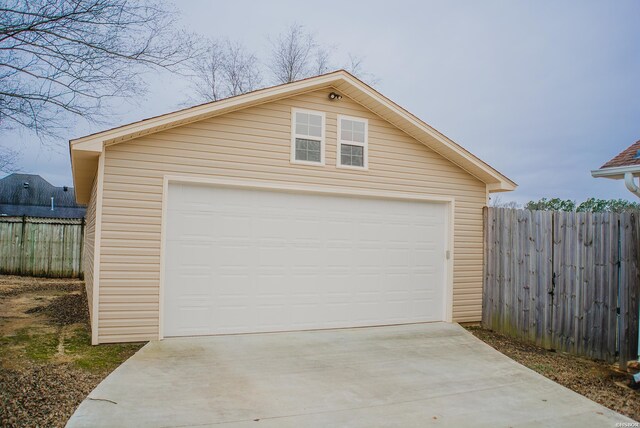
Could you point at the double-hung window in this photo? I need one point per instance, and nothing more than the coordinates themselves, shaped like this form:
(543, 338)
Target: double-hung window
(307, 137)
(352, 142)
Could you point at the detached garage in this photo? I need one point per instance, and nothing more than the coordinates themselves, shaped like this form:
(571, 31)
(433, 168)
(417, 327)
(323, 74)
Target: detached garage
(315, 204)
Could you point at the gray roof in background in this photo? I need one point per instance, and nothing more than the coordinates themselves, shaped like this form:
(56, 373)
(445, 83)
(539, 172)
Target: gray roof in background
(30, 195)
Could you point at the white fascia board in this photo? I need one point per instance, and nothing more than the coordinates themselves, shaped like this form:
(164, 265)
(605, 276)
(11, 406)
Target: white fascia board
(616, 173)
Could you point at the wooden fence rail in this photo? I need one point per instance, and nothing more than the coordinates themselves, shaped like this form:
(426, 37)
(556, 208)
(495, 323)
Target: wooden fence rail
(41, 246)
(564, 280)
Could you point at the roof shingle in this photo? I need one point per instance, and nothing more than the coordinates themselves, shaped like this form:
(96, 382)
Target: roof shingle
(628, 157)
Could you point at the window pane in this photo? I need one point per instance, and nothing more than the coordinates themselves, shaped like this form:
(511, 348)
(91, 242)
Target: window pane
(351, 155)
(315, 119)
(313, 156)
(358, 137)
(313, 145)
(302, 128)
(302, 118)
(302, 123)
(315, 131)
(358, 127)
(308, 150)
(357, 161)
(346, 130)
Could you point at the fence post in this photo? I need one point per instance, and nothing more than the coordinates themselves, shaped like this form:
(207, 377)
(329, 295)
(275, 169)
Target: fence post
(485, 304)
(550, 338)
(22, 246)
(80, 255)
(629, 290)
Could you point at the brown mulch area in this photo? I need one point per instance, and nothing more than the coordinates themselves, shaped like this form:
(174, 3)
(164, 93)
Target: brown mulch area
(43, 395)
(47, 363)
(65, 310)
(596, 380)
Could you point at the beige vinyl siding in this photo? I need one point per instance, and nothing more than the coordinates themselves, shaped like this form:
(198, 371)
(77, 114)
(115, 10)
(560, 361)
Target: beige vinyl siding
(254, 143)
(89, 241)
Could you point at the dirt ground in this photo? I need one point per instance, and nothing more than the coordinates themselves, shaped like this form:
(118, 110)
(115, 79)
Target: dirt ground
(47, 363)
(596, 380)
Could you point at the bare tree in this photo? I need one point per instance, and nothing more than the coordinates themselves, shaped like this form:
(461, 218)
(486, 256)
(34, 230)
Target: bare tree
(296, 54)
(66, 57)
(355, 66)
(209, 79)
(228, 68)
(241, 69)
(322, 64)
(291, 54)
(497, 202)
(8, 160)
(223, 70)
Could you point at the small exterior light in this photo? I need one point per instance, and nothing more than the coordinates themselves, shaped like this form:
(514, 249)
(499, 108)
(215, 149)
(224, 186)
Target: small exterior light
(335, 96)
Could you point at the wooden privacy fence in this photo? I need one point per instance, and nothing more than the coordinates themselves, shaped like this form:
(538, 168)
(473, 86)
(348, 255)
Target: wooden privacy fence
(41, 246)
(568, 281)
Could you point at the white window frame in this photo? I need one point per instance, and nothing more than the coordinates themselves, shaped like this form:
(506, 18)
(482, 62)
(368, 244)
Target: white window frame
(365, 145)
(294, 135)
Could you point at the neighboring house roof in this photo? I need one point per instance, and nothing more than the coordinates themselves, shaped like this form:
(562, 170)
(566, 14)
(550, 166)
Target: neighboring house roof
(629, 156)
(626, 161)
(85, 151)
(30, 195)
(45, 212)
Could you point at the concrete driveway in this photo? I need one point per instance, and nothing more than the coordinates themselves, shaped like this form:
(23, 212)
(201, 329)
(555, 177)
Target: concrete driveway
(415, 375)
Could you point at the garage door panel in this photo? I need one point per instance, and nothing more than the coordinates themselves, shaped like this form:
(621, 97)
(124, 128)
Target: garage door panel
(191, 254)
(270, 229)
(272, 257)
(189, 284)
(240, 260)
(190, 225)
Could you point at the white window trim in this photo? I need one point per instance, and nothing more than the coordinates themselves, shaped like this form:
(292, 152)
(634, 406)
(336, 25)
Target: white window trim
(365, 145)
(294, 136)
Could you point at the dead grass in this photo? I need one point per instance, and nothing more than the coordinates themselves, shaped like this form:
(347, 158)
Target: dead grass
(47, 362)
(596, 380)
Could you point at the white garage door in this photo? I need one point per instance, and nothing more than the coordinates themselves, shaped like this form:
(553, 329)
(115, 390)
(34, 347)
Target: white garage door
(244, 260)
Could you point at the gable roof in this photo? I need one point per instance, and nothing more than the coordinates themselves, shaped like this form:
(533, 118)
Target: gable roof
(30, 195)
(86, 150)
(627, 160)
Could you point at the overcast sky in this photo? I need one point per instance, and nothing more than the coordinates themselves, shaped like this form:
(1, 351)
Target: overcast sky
(544, 91)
